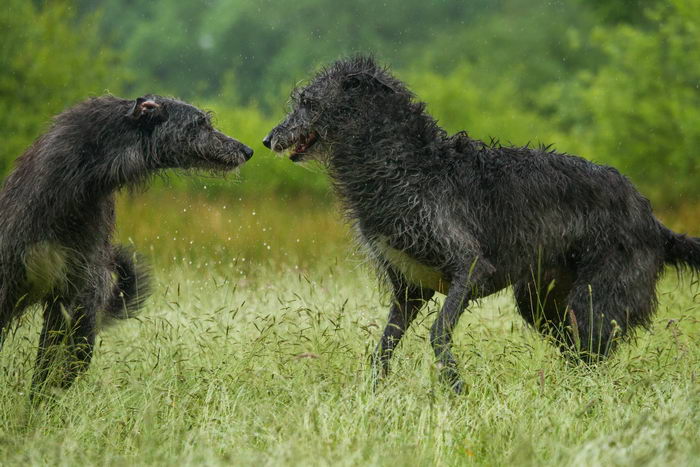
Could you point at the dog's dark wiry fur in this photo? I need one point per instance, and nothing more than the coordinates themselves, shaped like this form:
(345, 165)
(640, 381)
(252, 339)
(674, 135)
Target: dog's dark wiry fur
(443, 213)
(57, 215)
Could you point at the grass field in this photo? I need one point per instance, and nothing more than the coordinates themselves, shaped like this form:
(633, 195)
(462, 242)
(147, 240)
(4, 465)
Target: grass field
(265, 362)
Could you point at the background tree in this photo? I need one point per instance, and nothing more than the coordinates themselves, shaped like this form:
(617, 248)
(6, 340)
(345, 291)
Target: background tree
(615, 81)
(50, 60)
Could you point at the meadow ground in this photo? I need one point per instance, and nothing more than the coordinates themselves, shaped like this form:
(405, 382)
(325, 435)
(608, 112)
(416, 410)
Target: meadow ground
(254, 350)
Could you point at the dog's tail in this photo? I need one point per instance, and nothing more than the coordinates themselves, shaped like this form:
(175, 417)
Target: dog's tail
(132, 286)
(681, 250)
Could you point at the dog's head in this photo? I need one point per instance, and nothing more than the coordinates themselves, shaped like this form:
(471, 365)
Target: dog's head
(337, 99)
(182, 136)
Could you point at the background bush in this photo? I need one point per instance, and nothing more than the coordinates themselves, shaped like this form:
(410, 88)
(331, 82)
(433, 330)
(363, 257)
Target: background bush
(615, 81)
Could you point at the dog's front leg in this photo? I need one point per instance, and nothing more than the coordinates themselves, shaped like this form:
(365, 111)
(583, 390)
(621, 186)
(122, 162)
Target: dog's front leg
(465, 285)
(54, 334)
(66, 343)
(407, 302)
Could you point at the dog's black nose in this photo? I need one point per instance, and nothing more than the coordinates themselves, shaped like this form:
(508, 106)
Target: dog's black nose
(267, 141)
(247, 152)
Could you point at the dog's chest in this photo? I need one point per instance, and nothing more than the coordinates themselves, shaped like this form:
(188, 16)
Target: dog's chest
(46, 266)
(413, 270)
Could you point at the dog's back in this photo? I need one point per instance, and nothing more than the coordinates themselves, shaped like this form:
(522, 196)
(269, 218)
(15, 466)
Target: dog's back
(529, 205)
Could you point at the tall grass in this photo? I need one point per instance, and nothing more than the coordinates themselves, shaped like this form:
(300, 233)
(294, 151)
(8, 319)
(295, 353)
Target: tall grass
(265, 362)
(221, 370)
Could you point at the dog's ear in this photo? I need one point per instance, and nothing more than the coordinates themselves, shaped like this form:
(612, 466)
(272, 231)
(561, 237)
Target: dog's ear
(147, 110)
(365, 81)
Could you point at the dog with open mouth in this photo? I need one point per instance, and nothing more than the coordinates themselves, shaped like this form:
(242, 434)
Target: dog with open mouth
(449, 214)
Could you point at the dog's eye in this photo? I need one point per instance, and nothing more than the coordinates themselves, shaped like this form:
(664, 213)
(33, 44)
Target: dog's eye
(203, 121)
(308, 104)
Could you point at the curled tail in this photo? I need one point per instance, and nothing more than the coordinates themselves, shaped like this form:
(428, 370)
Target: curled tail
(681, 250)
(132, 286)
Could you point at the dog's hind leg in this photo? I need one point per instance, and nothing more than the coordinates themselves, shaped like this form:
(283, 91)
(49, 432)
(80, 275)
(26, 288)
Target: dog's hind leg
(608, 299)
(466, 285)
(407, 302)
(82, 344)
(542, 302)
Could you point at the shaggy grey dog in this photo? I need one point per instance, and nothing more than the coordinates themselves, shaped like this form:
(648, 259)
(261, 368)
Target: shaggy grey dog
(451, 214)
(58, 216)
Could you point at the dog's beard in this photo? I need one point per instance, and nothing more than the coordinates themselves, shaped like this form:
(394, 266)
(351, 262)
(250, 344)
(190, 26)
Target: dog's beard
(314, 155)
(301, 148)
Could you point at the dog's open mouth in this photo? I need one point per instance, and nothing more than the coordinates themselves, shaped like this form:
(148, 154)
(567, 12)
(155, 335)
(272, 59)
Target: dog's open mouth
(305, 143)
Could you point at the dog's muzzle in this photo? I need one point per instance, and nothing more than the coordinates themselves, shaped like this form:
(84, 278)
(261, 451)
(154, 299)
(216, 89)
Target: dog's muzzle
(267, 142)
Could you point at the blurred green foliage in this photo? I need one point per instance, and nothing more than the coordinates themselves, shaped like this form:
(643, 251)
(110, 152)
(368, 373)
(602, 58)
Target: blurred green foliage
(51, 58)
(615, 81)
(642, 106)
(268, 45)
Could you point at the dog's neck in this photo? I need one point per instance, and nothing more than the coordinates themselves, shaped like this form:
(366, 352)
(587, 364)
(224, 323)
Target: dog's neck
(377, 143)
(65, 185)
(377, 164)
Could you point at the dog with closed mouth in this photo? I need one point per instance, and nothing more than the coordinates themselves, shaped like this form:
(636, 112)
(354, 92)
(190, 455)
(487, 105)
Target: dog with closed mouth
(57, 217)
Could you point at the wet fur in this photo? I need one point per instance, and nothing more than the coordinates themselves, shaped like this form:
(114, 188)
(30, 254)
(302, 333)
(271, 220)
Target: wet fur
(576, 240)
(57, 216)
